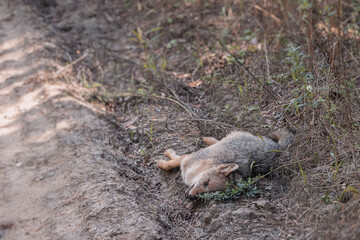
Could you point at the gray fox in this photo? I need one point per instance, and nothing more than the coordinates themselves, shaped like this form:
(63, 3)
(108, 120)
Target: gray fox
(210, 168)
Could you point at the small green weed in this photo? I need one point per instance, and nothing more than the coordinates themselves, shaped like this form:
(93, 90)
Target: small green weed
(248, 35)
(304, 93)
(131, 134)
(304, 7)
(327, 198)
(150, 133)
(241, 57)
(336, 164)
(303, 174)
(233, 191)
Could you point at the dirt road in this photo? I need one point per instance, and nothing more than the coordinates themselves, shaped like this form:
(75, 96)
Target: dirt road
(57, 172)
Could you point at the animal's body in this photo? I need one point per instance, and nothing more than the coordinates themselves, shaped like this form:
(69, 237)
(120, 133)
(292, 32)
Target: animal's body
(208, 169)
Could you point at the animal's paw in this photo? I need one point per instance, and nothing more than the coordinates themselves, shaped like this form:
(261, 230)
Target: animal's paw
(160, 164)
(171, 154)
(210, 140)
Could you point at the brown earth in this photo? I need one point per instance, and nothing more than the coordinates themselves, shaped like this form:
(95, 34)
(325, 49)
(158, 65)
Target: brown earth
(58, 168)
(79, 132)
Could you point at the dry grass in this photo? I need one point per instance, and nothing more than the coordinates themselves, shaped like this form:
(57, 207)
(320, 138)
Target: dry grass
(304, 56)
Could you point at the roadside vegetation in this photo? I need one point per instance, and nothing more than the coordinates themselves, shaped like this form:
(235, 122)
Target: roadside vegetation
(265, 64)
(249, 65)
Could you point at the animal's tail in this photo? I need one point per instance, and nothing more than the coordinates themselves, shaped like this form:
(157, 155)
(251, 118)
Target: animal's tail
(283, 137)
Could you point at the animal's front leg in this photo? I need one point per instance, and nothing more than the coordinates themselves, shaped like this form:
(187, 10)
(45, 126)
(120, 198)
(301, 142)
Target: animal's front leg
(168, 165)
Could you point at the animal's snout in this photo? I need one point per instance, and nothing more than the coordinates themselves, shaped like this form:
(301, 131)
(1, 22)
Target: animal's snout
(188, 195)
(191, 197)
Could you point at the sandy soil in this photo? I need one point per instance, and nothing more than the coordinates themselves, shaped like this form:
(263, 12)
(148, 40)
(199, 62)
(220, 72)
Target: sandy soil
(58, 173)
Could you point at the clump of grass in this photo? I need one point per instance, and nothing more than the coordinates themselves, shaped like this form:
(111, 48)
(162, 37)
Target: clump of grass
(234, 190)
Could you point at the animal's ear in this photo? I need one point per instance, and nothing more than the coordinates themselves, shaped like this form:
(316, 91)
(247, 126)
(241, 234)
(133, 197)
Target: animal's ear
(226, 169)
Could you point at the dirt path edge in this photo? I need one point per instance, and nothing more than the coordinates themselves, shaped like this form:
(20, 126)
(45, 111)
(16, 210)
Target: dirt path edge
(58, 172)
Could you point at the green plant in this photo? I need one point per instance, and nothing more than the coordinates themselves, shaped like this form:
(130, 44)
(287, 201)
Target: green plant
(296, 59)
(303, 174)
(241, 57)
(248, 35)
(141, 37)
(327, 12)
(149, 62)
(144, 40)
(304, 93)
(336, 164)
(304, 7)
(141, 152)
(233, 191)
(150, 133)
(327, 198)
(131, 134)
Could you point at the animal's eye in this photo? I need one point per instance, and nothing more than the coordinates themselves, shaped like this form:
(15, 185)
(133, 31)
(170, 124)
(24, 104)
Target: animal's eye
(206, 184)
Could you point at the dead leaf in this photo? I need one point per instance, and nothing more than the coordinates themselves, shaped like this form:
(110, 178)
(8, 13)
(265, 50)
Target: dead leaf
(195, 83)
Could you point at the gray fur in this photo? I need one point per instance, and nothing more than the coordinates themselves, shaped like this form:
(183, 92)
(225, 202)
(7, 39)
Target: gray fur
(245, 149)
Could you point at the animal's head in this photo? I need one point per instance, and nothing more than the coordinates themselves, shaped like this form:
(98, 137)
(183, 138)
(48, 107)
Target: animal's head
(211, 180)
